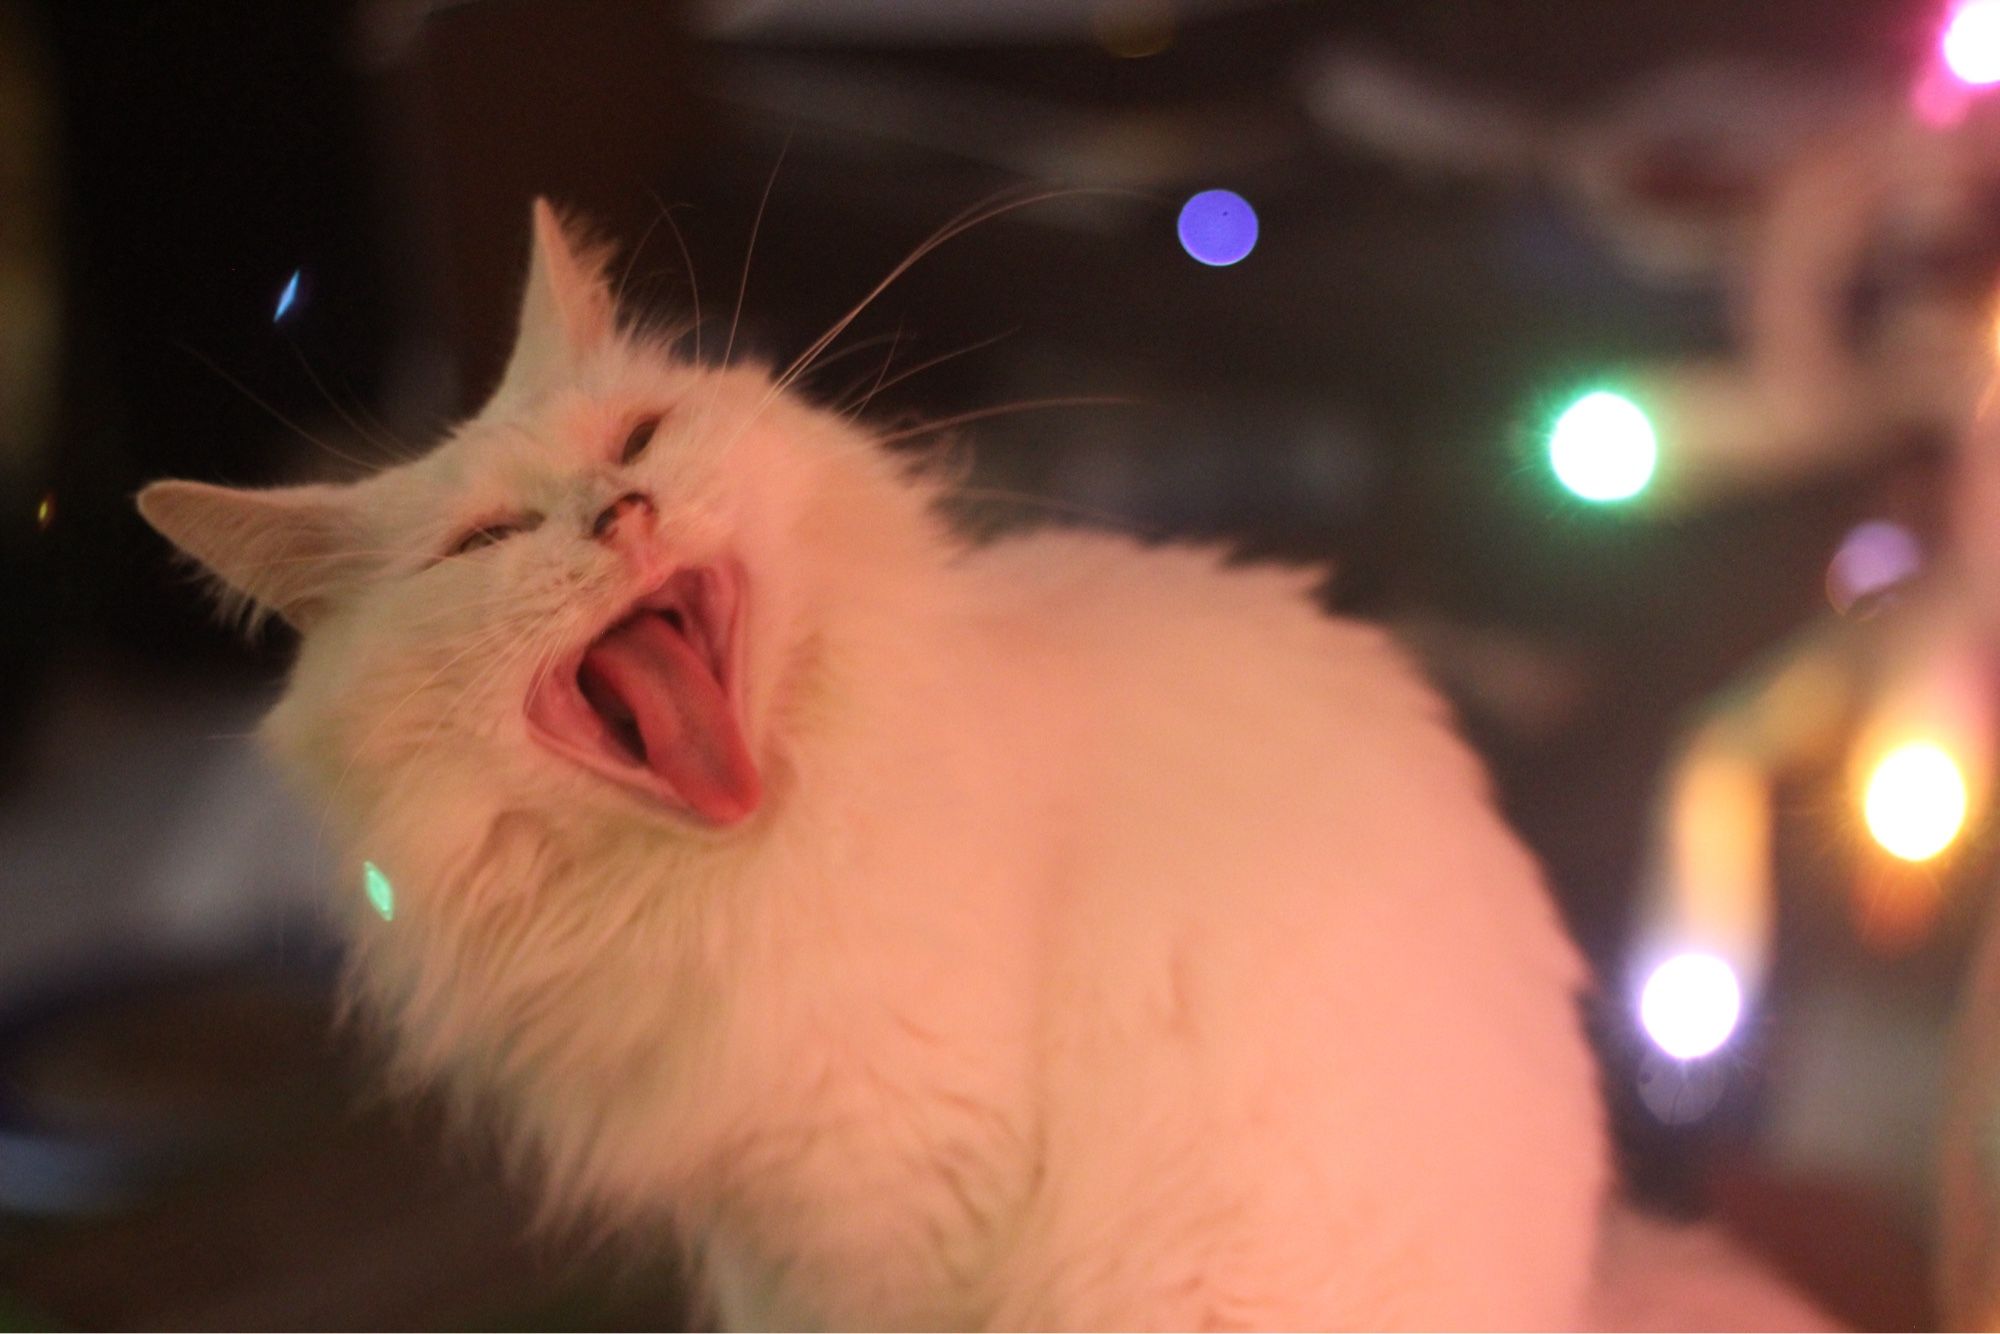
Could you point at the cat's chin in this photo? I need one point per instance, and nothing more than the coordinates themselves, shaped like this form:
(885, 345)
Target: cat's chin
(653, 702)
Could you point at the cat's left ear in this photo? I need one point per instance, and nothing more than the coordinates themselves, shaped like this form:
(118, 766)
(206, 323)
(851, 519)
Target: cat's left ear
(288, 550)
(566, 310)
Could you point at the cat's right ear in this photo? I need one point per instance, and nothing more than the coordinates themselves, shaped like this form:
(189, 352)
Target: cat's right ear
(566, 309)
(286, 550)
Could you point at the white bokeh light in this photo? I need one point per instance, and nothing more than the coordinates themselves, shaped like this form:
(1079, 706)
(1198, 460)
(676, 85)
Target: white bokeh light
(1603, 448)
(1916, 801)
(1972, 42)
(1690, 1005)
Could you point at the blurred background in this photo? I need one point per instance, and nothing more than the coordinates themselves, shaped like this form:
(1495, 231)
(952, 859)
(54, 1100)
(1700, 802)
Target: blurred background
(1622, 354)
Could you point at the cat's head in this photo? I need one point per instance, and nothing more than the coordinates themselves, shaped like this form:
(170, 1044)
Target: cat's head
(606, 593)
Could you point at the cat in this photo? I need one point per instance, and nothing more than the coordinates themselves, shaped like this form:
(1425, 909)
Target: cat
(1054, 932)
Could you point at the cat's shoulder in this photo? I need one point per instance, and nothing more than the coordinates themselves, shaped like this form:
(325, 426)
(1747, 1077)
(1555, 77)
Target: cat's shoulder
(1189, 612)
(1103, 571)
(1192, 612)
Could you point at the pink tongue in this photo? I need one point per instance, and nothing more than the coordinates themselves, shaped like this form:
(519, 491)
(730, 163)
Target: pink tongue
(692, 740)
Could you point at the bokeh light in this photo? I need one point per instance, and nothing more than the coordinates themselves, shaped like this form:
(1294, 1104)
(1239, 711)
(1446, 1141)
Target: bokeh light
(1916, 800)
(288, 297)
(1874, 557)
(1603, 447)
(380, 892)
(45, 512)
(1971, 43)
(1218, 227)
(1690, 1005)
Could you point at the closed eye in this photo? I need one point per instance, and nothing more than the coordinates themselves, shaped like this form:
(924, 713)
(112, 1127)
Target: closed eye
(486, 534)
(640, 436)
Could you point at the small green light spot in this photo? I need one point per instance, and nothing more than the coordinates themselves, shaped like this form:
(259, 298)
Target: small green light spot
(380, 893)
(1603, 447)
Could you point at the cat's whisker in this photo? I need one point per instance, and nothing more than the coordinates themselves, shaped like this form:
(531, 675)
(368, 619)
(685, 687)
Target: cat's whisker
(895, 341)
(501, 664)
(1053, 505)
(982, 212)
(857, 347)
(1005, 410)
(491, 635)
(382, 553)
(805, 360)
(390, 447)
(482, 639)
(967, 219)
(276, 415)
(545, 654)
(750, 250)
(687, 263)
(978, 214)
(444, 616)
(620, 287)
(496, 597)
(900, 376)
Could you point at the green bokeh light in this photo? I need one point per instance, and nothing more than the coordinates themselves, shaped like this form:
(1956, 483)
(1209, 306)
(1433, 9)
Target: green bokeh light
(380, 892)
(1603, 448)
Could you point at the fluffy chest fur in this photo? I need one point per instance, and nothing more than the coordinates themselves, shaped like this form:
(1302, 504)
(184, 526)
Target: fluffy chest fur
(1085, 935)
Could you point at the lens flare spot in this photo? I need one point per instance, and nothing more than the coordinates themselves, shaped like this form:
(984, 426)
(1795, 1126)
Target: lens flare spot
(1690, 1005)
(381, 894)
(1971, 43)
(1894, 906)
(1916, 800)
(45, 512)
(1603, 447)
(1218, 227)
(1680, 1093)
(287, 298)
(1873, 558)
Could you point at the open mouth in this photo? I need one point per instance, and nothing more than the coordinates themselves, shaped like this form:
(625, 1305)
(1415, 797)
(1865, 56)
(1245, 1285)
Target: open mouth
(655, 701)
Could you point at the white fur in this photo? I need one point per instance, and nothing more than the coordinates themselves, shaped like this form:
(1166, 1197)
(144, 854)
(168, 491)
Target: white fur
(1121, 942)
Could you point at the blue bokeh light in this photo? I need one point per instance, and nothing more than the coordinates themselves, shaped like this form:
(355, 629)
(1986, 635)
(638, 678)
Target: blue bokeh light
(287, 298)
(1218, 227)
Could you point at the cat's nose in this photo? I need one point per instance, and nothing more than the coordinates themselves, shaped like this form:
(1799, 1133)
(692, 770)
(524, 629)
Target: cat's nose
(632, 511)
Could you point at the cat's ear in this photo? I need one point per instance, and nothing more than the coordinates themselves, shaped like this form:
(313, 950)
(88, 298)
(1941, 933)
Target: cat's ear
(286, 551)
(566, 310)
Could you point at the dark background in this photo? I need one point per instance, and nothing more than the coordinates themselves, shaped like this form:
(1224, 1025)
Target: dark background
(180, 1145)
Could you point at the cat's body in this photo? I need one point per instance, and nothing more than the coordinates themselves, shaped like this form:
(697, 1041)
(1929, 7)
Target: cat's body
(1103, 937)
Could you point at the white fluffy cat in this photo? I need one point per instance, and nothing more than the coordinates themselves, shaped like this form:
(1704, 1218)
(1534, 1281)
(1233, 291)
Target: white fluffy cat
(1053, 933)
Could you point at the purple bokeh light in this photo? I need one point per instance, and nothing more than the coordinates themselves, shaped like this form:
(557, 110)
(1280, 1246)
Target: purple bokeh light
(1874, 556)
(1218, 227)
